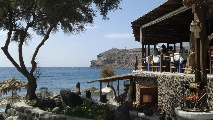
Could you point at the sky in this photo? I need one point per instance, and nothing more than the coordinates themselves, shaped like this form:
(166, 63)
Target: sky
(62, 50)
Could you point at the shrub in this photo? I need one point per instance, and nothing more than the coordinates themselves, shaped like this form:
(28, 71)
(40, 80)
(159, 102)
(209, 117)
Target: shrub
(106, 71)
(91, 110)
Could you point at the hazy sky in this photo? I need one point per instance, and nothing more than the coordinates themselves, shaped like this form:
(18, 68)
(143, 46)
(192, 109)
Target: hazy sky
(78, 50)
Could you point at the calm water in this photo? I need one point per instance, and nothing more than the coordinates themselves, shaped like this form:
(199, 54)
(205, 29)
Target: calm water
(57, 78)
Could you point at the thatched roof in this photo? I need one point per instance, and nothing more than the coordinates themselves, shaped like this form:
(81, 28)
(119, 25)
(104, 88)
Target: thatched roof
(114, 78)
(92, 90)
(11, 85)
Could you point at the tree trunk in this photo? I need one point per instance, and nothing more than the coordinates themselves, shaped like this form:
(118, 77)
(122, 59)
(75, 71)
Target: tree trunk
(31, 87)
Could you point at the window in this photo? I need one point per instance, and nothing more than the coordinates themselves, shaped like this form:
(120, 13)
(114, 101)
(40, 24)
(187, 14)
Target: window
(147, 98)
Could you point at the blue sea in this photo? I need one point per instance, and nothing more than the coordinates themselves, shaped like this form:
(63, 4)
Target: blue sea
(57, 78)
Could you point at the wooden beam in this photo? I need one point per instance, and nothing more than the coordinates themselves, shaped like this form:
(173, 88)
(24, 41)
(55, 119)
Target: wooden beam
(198, 2)
(142, 35)
(169, 15)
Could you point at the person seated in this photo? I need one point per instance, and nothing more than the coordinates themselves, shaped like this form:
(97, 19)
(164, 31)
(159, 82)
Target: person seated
(156, 55)
(170, 48)
(156, 52)
(163, 49)
(182, 50)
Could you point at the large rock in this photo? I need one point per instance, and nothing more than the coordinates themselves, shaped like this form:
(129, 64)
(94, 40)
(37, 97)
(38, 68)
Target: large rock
(8, 106)
(70, 99)
(122, 112)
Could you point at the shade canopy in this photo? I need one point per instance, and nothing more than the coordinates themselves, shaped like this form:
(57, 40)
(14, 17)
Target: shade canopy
(168, 23)
(11, 85)
(114, 78)
(91, 89)
(106, 89)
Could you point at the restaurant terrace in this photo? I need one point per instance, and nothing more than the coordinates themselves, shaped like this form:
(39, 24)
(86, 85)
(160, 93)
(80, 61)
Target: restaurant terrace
(162, 79)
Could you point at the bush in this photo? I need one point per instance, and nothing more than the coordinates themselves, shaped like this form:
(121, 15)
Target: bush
(46, 105)
(91, 110)
(88, 109)
(107, 72)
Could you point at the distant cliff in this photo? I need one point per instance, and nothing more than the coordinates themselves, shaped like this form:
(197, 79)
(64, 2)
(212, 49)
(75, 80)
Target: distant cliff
(117, 58)
(121, 58)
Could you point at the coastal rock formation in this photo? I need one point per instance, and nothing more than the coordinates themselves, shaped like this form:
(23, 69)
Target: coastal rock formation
(117, 58)
(70, 99)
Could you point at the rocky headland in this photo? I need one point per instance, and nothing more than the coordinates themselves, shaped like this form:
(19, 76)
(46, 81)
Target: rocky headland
(117, 58)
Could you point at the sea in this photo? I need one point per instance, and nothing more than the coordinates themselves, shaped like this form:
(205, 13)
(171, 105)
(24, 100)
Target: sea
(57, 78)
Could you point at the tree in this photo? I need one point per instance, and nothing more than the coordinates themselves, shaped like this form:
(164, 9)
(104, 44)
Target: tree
(106, 71)
(43, 17)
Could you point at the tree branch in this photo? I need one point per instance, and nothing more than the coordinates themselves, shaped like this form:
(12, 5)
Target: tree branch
(20, 48)
(9, 35)
(38, 47)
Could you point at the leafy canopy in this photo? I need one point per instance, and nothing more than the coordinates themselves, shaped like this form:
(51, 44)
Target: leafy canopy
(69, 15)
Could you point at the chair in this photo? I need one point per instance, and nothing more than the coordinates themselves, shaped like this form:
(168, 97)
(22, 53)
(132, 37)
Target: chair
(155, 64)
(173, 65)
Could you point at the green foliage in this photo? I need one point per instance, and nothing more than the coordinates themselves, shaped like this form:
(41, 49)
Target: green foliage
(46, 105)
(88, 109)
(91, 110)
(20, 18)
(106, 71)
(69, 15)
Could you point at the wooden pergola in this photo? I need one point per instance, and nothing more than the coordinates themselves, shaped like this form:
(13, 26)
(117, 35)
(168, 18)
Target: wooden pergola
(170, 23)
(112, 79)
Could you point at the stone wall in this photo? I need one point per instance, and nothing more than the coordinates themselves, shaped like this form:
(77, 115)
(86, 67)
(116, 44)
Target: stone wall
(169, 88)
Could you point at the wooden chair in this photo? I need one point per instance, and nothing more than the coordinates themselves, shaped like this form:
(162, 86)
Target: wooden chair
(154, 66)
(173, 65)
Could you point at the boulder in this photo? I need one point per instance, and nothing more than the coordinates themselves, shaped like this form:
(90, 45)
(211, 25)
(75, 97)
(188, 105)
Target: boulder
(70, 99)
(8, 106)
(47, 117)
(147, 110)
(56, 109)
(1, 116)
(122, 112)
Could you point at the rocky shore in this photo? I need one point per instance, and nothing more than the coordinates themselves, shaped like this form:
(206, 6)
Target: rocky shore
(22, 110)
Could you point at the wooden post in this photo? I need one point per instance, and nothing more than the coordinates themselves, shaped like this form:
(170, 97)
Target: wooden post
(100, 90)
(174, 47)
(203, 41)
(167, 46)
(118, 88)
(143, 55)
(161, 62)
(195, 9)
(210, 62)
(148, 49)
(199, 11)
(148, 64)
